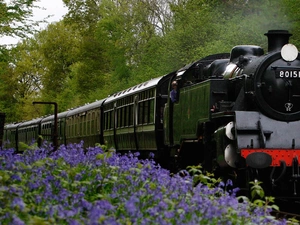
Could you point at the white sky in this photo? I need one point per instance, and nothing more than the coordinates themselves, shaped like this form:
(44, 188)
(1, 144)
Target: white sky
(55, 8)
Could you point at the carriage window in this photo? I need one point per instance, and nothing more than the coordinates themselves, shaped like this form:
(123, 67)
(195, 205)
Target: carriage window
(93, 123)
(107, 120)
(88, 124)
(75, 130)
(69, 130)
(72, 127)
(84, 125)
(123, 122)
(125, 116)
(119, 117)
(97, 123)
(140, 112)
(146, 112)
(80, 126)
(151, 111)
(130, 117)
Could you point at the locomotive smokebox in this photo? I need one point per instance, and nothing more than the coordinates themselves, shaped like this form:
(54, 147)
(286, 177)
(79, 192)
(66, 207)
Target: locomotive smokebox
(277, 39)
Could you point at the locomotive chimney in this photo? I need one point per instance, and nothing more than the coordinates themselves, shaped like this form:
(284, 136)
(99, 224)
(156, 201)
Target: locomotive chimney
(277, 39)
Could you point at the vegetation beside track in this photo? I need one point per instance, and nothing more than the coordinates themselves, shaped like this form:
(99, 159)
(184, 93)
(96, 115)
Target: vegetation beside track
(74, 185)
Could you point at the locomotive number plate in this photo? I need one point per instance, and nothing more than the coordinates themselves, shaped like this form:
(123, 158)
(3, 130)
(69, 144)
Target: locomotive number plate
(289, 74)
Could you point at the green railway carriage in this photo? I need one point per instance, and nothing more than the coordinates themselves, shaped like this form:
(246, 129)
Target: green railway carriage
(11, 137)
(84, 124)
(29, 131)
(47, 128)
(24, 132)
(133, 118)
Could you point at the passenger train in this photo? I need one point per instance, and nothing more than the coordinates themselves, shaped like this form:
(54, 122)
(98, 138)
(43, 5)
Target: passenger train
(237, 112)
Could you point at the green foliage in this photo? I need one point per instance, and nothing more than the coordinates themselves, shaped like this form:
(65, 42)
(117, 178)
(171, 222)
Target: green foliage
(291, 19)
(204, 178)
(84, 14)
(58, 46)
(258, 196)
(88, 72)
(25, 147)
(104, 147)
(14, 18)
(102, 47)
(7, 101)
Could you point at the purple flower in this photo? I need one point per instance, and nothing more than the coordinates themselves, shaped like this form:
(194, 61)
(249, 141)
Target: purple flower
(18, 202)
(229, 183)
(132, 205)
(15, 177)
(87, 186)
(74, 222)
(17, 221)
(86, 205)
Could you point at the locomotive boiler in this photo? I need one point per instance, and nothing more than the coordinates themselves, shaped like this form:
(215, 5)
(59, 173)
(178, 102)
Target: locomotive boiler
(235, 113)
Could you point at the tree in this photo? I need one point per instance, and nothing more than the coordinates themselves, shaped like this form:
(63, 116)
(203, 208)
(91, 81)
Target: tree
(7, 101)
(83, 13)
(14, 21)
(291, 19)
(15, 18)
(58, 46)
(127, 28)
(206, 27)
(20, 82)
(90, 71)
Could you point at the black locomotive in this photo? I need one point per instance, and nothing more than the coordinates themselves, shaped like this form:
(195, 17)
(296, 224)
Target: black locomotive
(237, 112)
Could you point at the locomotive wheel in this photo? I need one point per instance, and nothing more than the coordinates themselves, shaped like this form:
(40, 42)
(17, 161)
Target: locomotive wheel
(190, 155)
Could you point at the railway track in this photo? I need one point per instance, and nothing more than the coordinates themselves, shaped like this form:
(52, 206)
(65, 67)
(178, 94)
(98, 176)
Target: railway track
(292, 217)
(289, 209)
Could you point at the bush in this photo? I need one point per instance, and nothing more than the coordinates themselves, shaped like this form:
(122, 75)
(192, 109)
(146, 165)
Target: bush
(74, 185)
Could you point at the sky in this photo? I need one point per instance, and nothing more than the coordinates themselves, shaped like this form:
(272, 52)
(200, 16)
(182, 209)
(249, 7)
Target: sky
(55, 8)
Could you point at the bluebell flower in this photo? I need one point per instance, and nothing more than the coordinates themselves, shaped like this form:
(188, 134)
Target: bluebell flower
(33, 186)
(78, 176)
(15, 177)
(115, 190)
(229, 183)
(74, 222)
(19, 203)
(51, 211)
(85, 204)
(17, 221)
(131, 205)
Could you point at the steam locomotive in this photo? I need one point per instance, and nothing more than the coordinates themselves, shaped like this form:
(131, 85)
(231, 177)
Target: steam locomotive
(237, 112)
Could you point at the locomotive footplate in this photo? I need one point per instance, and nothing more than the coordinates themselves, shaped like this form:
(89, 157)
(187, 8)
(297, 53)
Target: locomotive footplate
(277, 156)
